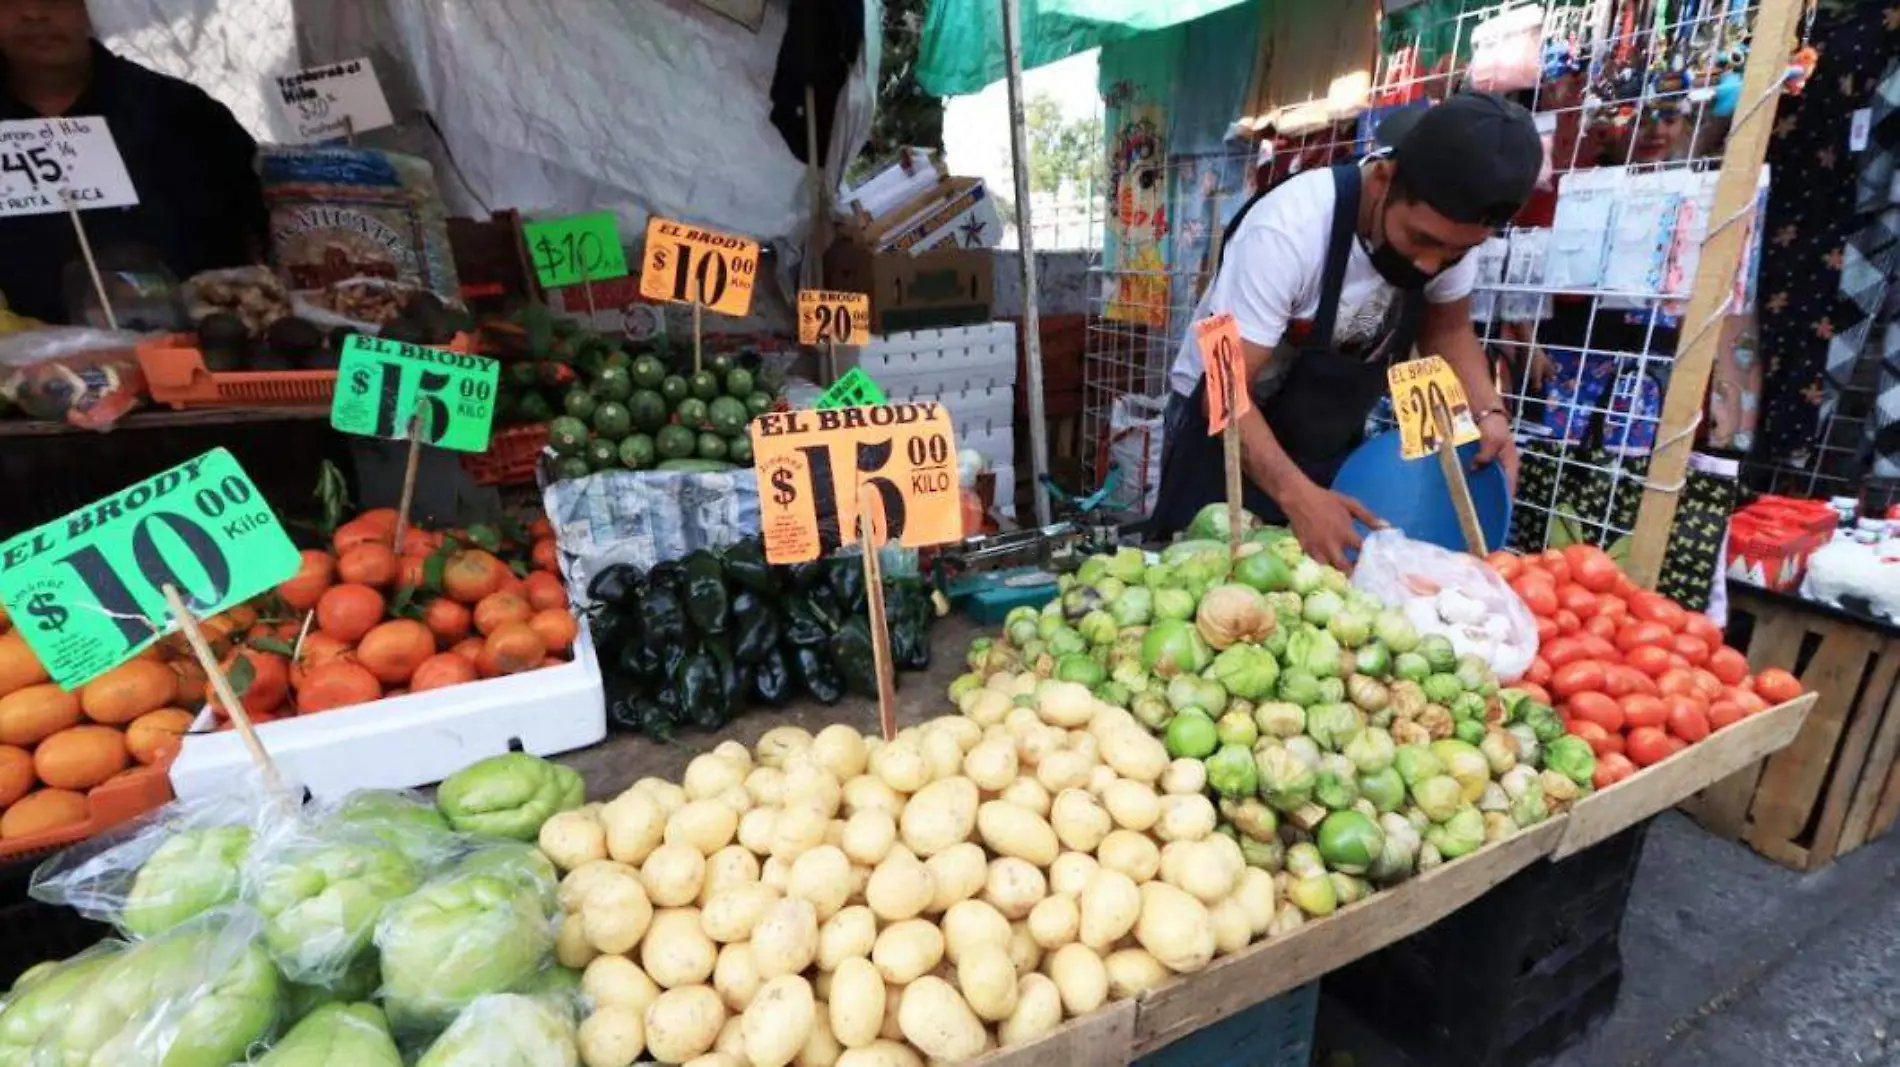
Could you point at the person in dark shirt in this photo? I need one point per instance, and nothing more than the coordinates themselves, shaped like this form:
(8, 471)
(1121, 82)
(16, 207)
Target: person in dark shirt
(200, 206)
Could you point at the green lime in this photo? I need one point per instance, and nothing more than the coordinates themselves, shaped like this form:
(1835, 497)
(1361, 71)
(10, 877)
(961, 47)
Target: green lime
(758, 403)
(720, 363)
(567, 435)
(711, 446)
(675, 442)
(579, 403)
(726, 415)
(648, 373)
(523, 375)
(674, 388)
(614, 383)
(648, 409)
(738, 382)
(637, 452)
(613, 420)
(532, 407)
(603, 454)
(705, 384)
(692, 413)
(571, 467)
(617, 358)
(739, 450)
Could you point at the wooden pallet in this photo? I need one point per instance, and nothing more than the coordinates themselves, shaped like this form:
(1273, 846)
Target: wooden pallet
(1836, 786)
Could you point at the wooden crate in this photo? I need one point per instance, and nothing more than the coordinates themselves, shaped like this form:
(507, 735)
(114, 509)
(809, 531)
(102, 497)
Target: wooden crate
(1836, 786)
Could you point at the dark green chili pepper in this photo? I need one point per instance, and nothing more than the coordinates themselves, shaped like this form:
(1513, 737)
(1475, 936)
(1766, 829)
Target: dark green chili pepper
(844, 576)
(907, 610)
(662, 618)
(772, 678)
(745, 565)
(668, 574)
(817, 675)
(615, 584)
(802, 626)
(708, 605)
(701, 694)
(803, 577)
(857, 663)
(755, 627)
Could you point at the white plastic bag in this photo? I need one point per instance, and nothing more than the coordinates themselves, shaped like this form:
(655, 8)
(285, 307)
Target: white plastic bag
(1453, 594)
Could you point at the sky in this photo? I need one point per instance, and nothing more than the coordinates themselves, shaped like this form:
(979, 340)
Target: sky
(976, 127)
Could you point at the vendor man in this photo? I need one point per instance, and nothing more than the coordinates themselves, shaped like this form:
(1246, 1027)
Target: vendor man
(1331, 276)
(200, 203)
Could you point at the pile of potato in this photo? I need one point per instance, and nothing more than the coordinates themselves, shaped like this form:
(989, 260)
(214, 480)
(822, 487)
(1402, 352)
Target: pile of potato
(839, 900)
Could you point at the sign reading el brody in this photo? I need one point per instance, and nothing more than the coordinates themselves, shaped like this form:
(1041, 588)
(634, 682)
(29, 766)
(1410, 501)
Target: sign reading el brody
(383, 384)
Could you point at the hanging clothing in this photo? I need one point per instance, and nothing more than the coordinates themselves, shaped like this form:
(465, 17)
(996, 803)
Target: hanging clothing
(1867, 313)
(820, 47)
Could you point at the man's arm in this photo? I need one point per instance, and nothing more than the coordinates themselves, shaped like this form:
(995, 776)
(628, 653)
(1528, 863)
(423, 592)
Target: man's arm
(1446, 331)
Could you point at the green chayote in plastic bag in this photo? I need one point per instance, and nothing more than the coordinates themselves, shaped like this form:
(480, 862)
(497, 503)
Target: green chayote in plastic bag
(192, 872)
(320, 900)
(336, 1035)
(458, 938)
(40, 1000)
(507, 1031)
(509, 795)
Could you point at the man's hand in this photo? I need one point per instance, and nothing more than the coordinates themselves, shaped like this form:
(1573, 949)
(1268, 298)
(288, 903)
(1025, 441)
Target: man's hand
(1496, 442)
(1322, 521)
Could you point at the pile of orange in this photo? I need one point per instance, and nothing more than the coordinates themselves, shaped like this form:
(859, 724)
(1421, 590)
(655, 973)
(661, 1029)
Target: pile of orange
(56, 746)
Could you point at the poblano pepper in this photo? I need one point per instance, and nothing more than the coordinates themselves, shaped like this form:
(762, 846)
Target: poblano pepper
(857, 663)
(772, 678)
(616, 584)
(803, 627)
(817, 675)
(662, 618)
(844, 576)
(755, 627)
(735, 679)
(701, 691)
(803, 577)
(908, 612)
(745, 565)
(708, 605)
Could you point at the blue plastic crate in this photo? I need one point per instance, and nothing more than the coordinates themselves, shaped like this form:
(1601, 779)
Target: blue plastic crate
(1273, 1033)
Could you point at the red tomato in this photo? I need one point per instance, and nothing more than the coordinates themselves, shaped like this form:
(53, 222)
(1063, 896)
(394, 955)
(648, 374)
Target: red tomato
(1727, 664)
(1706, 684)
(1688, 719)
(1749, 702)
(1724, 713)
(1556, 565)
(1600, 625)
(1597, 708)
(1567, 621)
(1777, 686)
(1561, 651)
(1652, 660)
(1538, 593)
(1538, 672)
(1693, 649)
(1641, 710)
(1546, 629)
(1648, 745)
(1613, 608)
(1654, 607)
(1613, 744)
(1582, 676)
(1620, 681)
(1599, 648)
(1595, 736)
(1677, 681)
(1642, 634)
(1676, 661)
(1508, 564)
(1573, 597)
(1592, 568)
(1612, 769)
(1626, 586)
(1700, 625)
(1535, 690)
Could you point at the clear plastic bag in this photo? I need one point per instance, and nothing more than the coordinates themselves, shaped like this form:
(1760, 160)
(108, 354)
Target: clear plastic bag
(38, 1001)
(464, 935)
(335, 1035)
(508, 1030)
(89, 378)
(401, 819)
(1453, 594)
(320, 886)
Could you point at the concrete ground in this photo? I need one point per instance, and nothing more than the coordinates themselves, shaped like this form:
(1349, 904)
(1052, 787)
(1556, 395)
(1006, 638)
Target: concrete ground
(1731, 961)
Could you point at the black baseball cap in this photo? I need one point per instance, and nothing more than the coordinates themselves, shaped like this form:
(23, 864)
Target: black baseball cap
(1474, 158)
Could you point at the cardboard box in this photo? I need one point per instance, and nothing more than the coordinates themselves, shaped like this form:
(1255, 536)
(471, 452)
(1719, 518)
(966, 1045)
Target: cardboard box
(962, 216)
(931, 290)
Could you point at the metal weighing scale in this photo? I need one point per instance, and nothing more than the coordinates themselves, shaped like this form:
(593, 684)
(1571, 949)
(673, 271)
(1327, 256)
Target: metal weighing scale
(975, 573)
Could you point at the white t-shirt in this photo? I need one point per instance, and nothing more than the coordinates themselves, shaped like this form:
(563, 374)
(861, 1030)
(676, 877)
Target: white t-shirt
(1272, 271)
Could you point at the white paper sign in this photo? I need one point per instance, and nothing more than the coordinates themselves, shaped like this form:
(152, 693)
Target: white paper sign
(335, 100)
(1859, 129)
(42, 160)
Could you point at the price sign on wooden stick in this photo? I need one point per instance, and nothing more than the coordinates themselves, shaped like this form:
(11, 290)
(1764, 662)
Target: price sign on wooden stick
(221, 686)
(1455, 482)
(685, 264)
(880, 625)
(380, 382)
(1419, 387)
(65, 164)
(1228, 398)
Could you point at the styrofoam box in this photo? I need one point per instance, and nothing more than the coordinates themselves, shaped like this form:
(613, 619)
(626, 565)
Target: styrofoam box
(411, 740)
(1005, 489)
(940, 361)
(995, 404)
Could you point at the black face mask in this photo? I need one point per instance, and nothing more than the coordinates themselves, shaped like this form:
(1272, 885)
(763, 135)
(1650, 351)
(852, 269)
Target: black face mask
(1392, 265)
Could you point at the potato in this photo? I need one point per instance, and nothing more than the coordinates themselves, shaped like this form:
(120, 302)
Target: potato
(736, 976)
(662, 792)
(869, 793)
(732, 915)
(942, 752)
(613, 1036)
(1133, 854)
(733, 750)
(1185, 818)
(581, 881)
(907, 950)
(776, 872)
(985, 707)
(1028, 794)
(786, 939)
(711, 774)
(1014, 886)
(991, 765)
(1008, 830)
(987, 980)
(778, 1021)
(1204, 870)
(823, 877)
(618, 981)
(800, 827)
(902, 766)
(1038, 1011)
(715, 1059)
(731, 1042)
(1083, 743)
(857, 1002)
(1175, 928)
(756, 828)
(672, 875)
(1109, 906)
(683, 1023)
(956, 873)
(1100, 779)
(1065, 769)
(776, 743)
(849, 933)
(1232, 929)
(938, 816)
(676, 952)
(881, 1054)
(807, 782)
(1132, 972)
(1135, 754)
(1053, 922)
(899, 888)
(972, 922)
(962, 727)
(732, 867)
(634, 822)
(1079, 820)
(737, 799)
(1064, 704)
(706, 825)
(868, 835)
(616, 914)
(1133, 805)
(765, 785)
(571, 838)
(1020, 720)
(1023, 950)
(570, 944)
(1079, 976)
(938, 1023)
(821, 1048)
(1260, 897)
(1184, 777)
(839, 749)
(1037, 743)
(1070, 872)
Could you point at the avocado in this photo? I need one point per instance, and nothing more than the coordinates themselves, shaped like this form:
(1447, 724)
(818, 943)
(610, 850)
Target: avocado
(295, 339)
(224, 341)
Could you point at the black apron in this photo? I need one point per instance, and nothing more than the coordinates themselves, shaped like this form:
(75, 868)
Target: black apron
(1319, 412)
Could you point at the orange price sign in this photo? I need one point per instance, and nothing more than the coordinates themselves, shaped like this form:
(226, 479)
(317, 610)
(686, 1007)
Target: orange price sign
(827, 317)
(1219, 340)
(1420, 386)
(815, 467)
(693, 265)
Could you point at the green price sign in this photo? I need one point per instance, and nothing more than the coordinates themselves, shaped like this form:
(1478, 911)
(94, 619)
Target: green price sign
(381, 385)
(87, 590)
(577, 249)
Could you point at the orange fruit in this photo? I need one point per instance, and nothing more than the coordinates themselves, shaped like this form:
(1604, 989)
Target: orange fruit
(368, 563)
(513, 647)
(275, 631)
(511, 583)
(498, 608)
(469, 648)
(37, 813)
(157, 734)
(417, 542)
(470, 575)
(29, 715)
(188, 683)
(544, 591)
(318, 649)
(337, 684)
(377, 524)
(556, 628)
(448, 620)
(128, 691)
(441, 670)
(19, 667)
(541, 527)
(544, 555)
(314, 574)
(81, 757)
(16, 774)
(348, 611)
(410, 571)
(269, 685)
(394, 649)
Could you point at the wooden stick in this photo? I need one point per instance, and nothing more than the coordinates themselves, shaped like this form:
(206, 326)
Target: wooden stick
(587, 283)
(409, 478)
(1230, 446)
(697, 312)
(831, 361)
(221, 686)
(92, 265)
(814, 266)
(880, 628)
(1455, 483)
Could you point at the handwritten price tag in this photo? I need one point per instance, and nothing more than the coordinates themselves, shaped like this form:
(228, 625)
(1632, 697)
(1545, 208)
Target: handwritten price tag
(382, 384)
(1417, 386)
(576, 249)
(827, 317)
(44, 162)
(1219, 340)
(692, 265)
(811, 465)
(85, 590)
(334, 100)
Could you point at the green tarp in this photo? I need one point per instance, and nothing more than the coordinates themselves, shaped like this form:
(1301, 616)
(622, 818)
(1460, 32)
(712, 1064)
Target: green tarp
(962, 48)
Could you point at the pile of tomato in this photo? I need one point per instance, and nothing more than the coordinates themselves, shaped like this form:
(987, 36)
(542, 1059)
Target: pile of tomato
(1631, 671)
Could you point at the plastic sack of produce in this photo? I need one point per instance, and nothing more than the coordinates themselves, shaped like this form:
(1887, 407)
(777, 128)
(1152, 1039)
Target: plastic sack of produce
(335, 1035)
(1451, 594)
(320, 886)
(160, 870)
(508, 1030)
(462, 936)
(88, 378)
(644, 517)
(338, 214)
(198, 995)
(38, 1001)
(403, 820)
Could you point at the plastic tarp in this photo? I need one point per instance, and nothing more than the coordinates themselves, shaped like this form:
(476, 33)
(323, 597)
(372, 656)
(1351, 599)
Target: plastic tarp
(962, 49)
